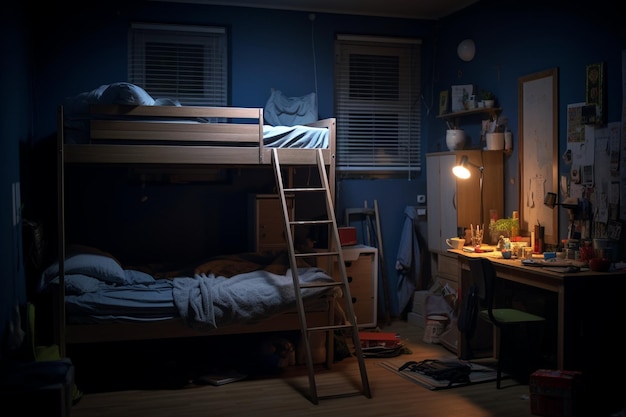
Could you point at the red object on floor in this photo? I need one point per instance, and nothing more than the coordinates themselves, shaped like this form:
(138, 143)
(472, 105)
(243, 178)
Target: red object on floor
(554, 393)
(385, 339)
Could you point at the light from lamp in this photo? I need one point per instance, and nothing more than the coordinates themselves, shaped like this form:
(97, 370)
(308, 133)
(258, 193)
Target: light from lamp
(460, 170)
(466, 50)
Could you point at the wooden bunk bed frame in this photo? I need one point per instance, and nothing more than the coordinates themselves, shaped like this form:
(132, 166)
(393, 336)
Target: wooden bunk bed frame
(122, 134)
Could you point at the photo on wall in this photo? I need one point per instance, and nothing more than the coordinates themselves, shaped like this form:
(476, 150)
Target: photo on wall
(595, 95)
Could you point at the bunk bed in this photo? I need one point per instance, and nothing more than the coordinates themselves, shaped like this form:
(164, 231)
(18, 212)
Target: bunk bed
(164, 134)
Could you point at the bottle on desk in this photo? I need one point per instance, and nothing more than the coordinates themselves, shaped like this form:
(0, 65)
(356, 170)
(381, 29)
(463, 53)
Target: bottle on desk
(537, 239)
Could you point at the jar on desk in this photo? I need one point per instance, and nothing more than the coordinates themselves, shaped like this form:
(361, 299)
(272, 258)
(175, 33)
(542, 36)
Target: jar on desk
(572, 249)
(586, 251)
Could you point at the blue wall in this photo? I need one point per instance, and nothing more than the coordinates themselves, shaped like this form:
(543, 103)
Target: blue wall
(273, 49)
(524, 38)
(15, 124)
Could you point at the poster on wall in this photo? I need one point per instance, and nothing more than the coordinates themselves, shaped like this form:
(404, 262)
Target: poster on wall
(595, 95)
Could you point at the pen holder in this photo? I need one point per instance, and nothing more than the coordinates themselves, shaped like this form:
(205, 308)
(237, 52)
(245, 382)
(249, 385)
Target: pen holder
(477, 237)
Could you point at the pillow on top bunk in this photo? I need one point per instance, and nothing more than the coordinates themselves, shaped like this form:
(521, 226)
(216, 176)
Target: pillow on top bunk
(281, 110)
(126, 93)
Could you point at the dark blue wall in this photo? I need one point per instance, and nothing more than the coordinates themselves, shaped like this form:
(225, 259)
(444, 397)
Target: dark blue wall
(15, 132)
(273, 49)
(523, 38)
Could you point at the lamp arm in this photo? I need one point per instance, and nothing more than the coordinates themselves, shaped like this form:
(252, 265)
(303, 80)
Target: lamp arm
(482, 208)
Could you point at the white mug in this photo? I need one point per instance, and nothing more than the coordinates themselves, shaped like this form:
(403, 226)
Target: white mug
(455, 243)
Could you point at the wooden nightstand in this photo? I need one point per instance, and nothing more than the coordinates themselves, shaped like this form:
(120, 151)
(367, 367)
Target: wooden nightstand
(362, 271)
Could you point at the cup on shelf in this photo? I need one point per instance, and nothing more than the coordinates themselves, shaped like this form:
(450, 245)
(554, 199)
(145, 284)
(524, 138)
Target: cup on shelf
(495, 141)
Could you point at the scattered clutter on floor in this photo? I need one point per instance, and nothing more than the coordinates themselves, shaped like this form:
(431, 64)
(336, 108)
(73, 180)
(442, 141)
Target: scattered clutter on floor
(376, 344)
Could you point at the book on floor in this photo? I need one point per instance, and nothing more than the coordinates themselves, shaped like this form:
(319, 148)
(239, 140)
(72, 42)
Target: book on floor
(221, 377)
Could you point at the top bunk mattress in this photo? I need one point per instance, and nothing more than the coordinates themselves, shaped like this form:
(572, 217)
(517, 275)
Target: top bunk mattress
(123, 113)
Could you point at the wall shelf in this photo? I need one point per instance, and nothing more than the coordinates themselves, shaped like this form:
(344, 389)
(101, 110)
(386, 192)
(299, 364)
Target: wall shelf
(491, 111)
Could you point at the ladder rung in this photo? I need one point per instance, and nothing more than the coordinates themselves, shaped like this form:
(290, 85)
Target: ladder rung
(333, 327)
(304, 255)
(305, 222)
(318, 189)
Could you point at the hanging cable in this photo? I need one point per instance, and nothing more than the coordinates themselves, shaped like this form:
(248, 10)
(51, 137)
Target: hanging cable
(312, 19)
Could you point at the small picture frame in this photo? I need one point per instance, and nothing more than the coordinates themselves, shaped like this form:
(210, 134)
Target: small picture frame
(443, 102)
(460, 97)
(595, 95)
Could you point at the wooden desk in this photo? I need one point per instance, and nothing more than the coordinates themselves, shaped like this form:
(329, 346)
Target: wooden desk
(589, 312)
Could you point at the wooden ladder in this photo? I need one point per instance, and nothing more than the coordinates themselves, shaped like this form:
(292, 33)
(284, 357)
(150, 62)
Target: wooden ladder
(333, 252)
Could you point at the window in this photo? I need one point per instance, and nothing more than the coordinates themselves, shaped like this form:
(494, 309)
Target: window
(377, 87)
(187, 63)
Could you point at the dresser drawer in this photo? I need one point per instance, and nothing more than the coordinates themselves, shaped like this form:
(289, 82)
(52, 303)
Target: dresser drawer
(361, 265)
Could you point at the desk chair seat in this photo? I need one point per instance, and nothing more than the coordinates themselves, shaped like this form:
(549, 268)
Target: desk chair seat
(509, 321)
(504, 316)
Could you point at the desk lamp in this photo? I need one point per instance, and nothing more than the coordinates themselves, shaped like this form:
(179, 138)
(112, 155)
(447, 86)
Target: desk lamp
(462, 171)
(570, 203)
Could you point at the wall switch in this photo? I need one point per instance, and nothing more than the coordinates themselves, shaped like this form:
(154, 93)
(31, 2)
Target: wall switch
(421, 198)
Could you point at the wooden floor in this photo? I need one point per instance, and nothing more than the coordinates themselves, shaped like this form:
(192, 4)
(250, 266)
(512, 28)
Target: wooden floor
(282, 395)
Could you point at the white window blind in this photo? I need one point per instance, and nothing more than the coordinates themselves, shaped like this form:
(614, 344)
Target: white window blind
(187, 63)
(377, 87)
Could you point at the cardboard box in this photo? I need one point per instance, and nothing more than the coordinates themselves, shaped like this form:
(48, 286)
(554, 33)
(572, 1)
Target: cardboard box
(555, 393)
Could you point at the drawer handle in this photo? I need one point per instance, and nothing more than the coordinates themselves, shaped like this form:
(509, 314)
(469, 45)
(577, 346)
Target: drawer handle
(354, 300)
(349, 279)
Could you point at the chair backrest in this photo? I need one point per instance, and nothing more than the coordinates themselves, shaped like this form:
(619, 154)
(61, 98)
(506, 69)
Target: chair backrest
(484, 277)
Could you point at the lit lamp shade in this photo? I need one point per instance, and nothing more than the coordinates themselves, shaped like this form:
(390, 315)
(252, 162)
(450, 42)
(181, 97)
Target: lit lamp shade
(461, 170)
(466, 50)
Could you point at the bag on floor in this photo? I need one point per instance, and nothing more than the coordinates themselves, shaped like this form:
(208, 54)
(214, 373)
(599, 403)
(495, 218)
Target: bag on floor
(453, 371)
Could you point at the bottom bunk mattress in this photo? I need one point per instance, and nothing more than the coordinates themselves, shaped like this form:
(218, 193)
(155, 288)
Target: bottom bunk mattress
(224, 291)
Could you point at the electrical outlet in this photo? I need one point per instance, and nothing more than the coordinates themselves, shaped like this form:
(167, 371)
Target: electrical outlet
(421, 198)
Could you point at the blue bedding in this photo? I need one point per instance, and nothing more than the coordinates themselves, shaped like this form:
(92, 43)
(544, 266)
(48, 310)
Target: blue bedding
(210, 301)
(223, 291)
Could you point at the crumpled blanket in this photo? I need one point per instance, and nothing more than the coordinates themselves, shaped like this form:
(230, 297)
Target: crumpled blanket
(295, 137)
(207, 301)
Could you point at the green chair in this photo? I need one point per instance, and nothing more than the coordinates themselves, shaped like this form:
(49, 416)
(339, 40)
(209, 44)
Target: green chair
(508, 321)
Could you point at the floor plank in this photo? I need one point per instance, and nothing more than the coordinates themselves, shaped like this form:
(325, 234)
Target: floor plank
(281, 395)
